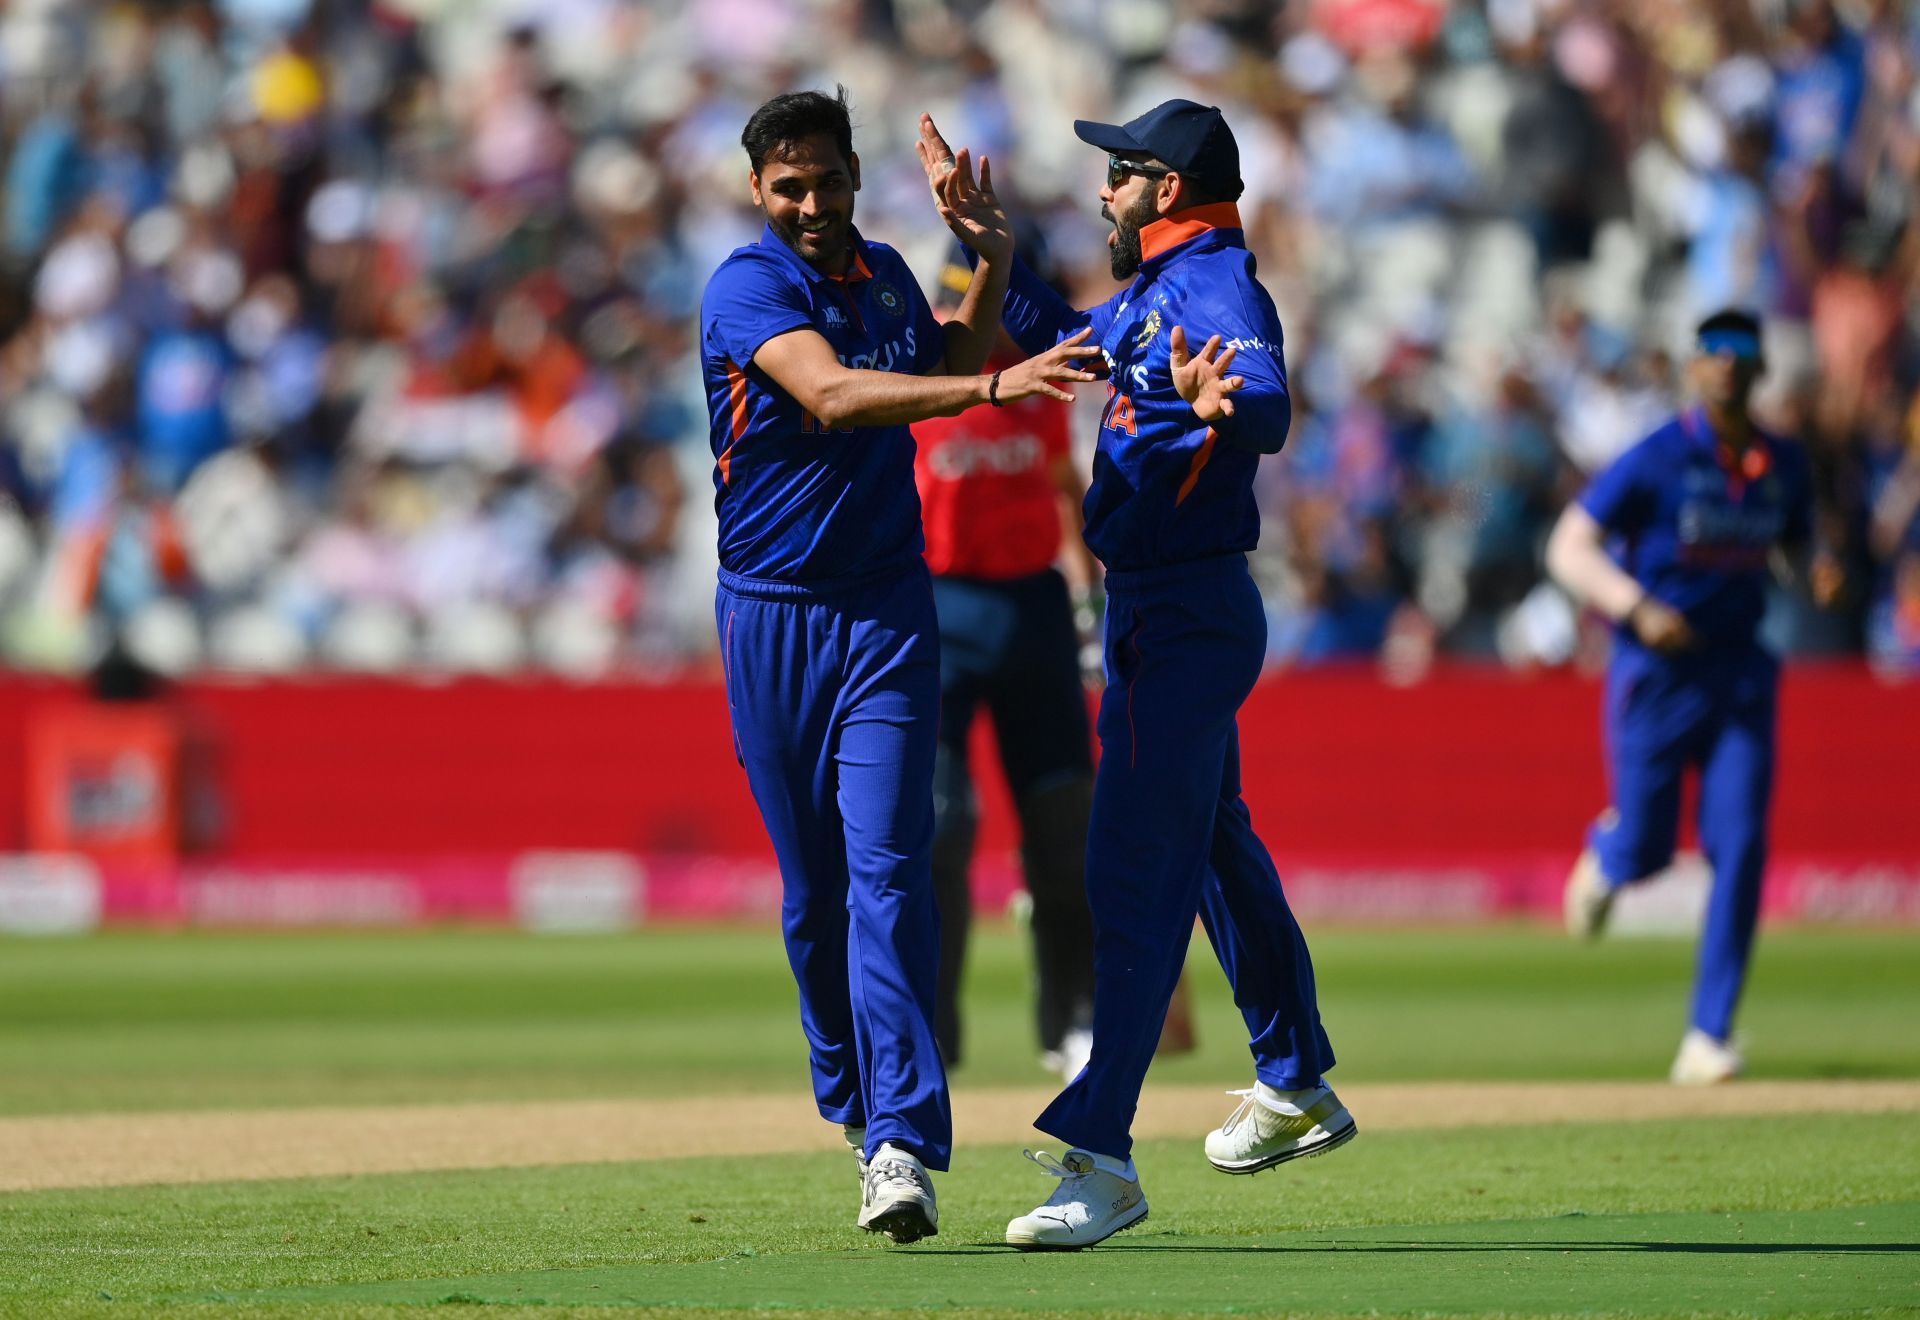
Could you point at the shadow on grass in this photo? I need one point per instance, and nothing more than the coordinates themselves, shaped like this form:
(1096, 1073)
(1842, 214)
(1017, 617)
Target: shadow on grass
(1455, 1248)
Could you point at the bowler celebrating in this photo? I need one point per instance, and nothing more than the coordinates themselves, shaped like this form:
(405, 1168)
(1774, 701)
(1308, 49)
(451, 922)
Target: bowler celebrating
(1692, 514)
(1171, 513)
(818, 349)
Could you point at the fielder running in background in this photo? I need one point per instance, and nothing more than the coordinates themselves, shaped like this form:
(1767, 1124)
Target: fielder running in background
(818, 349)
(1000, 498)
(1673, 542)
(1171, 514)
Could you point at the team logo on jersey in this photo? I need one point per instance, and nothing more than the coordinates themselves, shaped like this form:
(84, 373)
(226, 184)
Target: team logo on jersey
(1149, 328)
(890, 300)
(834, 316)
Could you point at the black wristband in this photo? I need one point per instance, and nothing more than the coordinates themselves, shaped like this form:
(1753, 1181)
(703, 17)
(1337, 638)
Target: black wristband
(993, 391)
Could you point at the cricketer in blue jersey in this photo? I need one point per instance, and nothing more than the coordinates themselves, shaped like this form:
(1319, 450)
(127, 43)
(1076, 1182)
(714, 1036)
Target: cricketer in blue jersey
(1171, 513)
(1676, 542)
(818, 349)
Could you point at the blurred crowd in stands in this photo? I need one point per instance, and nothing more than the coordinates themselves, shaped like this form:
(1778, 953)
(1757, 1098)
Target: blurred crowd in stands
(360, 333)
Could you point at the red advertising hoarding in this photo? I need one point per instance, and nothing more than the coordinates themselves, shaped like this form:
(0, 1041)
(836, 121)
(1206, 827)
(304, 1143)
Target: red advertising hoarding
(351, 801)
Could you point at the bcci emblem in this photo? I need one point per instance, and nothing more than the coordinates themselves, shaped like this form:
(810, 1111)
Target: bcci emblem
(890, 300)
(1148, 329)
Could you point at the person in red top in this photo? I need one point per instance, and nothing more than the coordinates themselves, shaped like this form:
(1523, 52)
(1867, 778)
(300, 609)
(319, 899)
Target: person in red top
(1000, 500)
(996, 484)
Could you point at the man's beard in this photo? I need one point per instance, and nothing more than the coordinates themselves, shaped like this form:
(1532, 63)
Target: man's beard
(1125, 255)
(791, 235)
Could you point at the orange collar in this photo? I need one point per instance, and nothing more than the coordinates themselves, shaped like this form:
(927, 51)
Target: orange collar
(856, 272)
(1750, 464)
(1163, 236)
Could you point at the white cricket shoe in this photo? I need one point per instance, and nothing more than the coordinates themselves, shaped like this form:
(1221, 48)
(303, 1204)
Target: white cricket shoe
(1271, 1127)
(1588, 899)
(1076, 1047)
(1704, 1061)
(1097, 1197)
(896, 1196)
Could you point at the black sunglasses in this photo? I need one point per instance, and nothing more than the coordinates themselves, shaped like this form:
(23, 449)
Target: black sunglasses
(1118, 170)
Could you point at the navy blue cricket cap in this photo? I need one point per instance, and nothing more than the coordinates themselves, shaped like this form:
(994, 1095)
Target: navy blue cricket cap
(1193, 139)
(1731, 330)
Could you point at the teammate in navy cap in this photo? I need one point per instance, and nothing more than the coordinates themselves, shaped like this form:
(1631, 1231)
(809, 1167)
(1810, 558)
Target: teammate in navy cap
(1171, 513)
(818, 349)
(1674, 543)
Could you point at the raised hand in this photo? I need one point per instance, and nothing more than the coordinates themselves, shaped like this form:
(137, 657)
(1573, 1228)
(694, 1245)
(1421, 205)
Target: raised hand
(1038, 373)
(969, 208)
(936, 157)
(1201, 379)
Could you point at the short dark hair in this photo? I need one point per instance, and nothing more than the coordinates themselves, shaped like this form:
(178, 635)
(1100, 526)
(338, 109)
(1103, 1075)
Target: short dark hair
(1730, 318)
(795, 116)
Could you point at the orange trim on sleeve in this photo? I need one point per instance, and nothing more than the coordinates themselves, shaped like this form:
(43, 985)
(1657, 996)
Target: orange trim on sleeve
(1167, 234)
(737, 396)
(1200, 460)
(737, 400)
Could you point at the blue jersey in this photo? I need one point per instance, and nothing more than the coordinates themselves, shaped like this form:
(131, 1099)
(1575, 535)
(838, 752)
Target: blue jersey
(1166, 487)
(1694, 525)
(796, 502)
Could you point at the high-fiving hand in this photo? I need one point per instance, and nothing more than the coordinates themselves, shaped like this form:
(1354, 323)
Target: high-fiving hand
(969, 208)
(1201, 378)
(1065, 361)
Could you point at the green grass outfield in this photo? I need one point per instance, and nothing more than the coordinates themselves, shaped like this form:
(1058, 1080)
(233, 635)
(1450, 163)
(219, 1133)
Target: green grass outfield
(145, 1021)
(1796, 1214)
(1661, 1218)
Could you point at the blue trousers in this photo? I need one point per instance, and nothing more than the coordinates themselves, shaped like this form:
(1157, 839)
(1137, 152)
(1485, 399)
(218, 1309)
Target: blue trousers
(1713, 711)
(1171, 836)
(835, 699)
